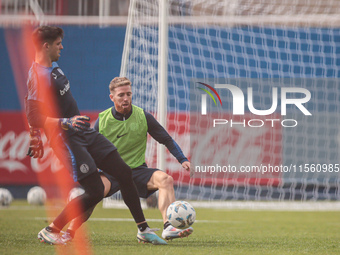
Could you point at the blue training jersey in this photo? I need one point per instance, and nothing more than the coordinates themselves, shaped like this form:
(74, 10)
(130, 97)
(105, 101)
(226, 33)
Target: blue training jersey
(51, 80)
(35, 71)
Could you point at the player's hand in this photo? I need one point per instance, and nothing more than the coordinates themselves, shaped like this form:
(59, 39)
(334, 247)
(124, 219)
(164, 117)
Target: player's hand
(186, 165)
(76, 123)
(36, 148)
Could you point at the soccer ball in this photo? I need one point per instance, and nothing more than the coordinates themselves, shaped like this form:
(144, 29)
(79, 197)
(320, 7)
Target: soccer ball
(75, 192)
(6, 197)
(36, 196)
(181, 214)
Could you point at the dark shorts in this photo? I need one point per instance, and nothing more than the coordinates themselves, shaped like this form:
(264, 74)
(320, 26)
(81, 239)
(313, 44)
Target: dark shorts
(84, 151)
(140, 175)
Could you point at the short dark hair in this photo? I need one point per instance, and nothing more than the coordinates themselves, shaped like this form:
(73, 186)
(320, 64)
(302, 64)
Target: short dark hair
(46, 34)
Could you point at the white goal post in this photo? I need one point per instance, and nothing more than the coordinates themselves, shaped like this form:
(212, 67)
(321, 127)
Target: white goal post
(239, 39)
(162, 66)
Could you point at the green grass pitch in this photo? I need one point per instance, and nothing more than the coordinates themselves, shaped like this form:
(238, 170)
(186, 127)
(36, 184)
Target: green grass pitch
(215, 232)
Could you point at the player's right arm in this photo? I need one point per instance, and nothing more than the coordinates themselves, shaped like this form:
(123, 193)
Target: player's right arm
(34, 115)
(38, 110)
(37, 119)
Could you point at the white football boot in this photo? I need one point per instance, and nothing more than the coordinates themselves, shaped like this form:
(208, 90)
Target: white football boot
(171, 232)
(148, 236)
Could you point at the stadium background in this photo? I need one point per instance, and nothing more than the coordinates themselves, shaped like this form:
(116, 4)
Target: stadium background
(92, 57)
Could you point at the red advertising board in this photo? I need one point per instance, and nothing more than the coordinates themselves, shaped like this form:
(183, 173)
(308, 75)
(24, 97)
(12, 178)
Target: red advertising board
(18, 169)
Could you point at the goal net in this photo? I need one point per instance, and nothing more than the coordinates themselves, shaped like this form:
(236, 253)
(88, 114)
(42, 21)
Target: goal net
(261, 44)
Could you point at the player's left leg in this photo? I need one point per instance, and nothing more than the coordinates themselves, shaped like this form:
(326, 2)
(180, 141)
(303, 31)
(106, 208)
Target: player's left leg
(77, 222)
(117, 168)
(166, 195)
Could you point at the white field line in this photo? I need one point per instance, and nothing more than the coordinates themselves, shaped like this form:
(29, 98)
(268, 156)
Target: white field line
(269, 206)
(132, 220)
(249, 205)
(223, 205)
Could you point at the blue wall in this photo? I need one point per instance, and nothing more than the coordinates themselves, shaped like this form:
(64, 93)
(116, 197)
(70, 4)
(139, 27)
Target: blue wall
(8, 94)
(92, 57)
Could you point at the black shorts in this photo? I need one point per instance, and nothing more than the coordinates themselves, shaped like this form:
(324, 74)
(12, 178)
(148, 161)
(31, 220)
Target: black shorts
(140, 175)
(84, 151)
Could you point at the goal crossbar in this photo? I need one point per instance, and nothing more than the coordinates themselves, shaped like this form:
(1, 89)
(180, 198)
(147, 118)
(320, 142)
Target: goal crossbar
(315, 20)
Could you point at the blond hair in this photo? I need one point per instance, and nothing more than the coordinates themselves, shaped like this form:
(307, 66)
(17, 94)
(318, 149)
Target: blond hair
(119, 82)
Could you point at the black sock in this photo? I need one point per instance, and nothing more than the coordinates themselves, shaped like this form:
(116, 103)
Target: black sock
(142, 226)
(166, 224)
(53, 230)
(71, 232)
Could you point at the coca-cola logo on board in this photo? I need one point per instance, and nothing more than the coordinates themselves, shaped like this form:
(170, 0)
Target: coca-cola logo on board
(13, 151)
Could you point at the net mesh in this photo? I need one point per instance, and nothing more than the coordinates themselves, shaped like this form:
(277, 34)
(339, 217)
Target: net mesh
(246, 39)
